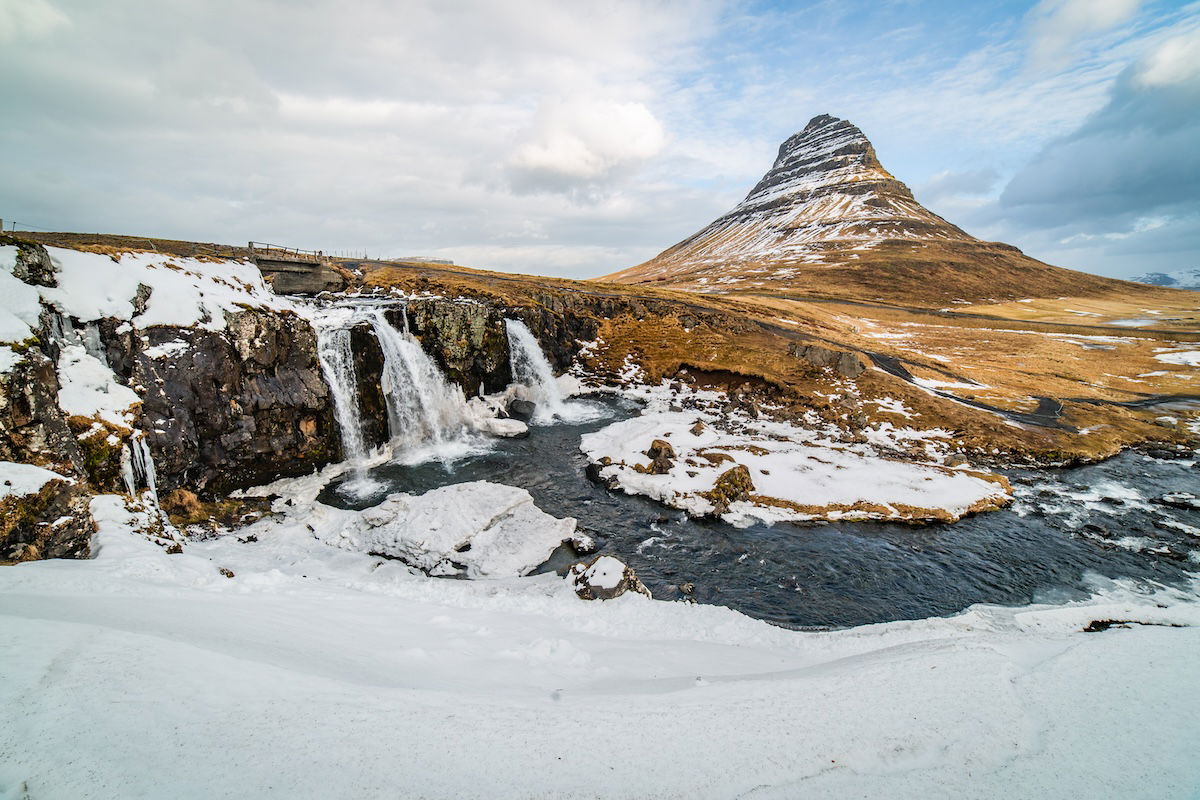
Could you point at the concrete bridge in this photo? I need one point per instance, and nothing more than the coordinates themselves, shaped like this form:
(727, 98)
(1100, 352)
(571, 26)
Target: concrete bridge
(290, 270)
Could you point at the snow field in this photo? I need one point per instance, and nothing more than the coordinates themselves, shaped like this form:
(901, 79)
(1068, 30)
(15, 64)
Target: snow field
(320, 672)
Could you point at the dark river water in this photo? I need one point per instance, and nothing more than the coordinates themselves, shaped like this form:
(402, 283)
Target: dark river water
(1065, 525)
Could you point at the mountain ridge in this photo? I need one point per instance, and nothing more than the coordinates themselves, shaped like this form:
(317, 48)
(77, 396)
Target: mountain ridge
(1177, 279)
(828, 219)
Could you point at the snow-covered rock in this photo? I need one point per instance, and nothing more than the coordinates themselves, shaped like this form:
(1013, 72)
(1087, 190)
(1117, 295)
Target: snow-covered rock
(88, 388)
(604, 578)
(504, 428)
(22, 479)
(477, 529)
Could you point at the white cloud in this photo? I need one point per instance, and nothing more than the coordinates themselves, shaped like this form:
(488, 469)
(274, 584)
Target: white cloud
(1175, 61)
(32, 19)
(579, 143)
(431, 126)
(1055, 26)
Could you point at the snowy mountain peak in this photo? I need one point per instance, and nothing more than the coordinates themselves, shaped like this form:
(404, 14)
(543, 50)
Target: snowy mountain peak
(827, 217)
(826, 195)
(829, 151)
(1180, 279)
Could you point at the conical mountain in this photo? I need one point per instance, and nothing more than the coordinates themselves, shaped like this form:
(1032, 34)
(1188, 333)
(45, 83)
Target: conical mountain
(828, 219)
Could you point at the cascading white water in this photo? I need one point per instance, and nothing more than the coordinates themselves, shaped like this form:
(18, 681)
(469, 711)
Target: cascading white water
(424, 409)
(337, 365)
(530, 367)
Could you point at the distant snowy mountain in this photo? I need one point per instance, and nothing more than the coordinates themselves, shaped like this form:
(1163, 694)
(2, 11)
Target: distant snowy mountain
(827, 218)
(1180, 279)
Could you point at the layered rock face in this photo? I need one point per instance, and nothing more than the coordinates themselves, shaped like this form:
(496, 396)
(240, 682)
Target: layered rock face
(827, 218)
(231, 399)
(225, 410)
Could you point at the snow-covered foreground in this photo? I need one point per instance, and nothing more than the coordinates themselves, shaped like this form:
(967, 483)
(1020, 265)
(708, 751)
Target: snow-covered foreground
(319, 672)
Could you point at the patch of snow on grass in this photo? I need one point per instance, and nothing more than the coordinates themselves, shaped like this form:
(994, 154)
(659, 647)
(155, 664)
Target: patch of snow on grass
(932, 383)
(1185, 358)
(184, 292)
(891, 405)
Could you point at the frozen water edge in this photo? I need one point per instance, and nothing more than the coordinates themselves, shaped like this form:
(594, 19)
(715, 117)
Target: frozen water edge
(320, 672)
(798, 471)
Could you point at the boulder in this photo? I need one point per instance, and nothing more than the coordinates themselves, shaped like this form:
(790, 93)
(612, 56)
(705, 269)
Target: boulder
(733, 486)
(604, 578)
(504, 428)
(662, 457)
(848, 364)
(521, 409)
(471, 530)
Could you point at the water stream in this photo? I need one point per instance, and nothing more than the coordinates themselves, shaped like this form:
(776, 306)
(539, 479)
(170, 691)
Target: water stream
(1068, 529)
(1055, 543)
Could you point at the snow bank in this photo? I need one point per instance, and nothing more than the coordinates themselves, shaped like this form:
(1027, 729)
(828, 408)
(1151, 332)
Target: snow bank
(183, 292)
(19, 302)
(1185, 358)
(298, 677)
(88, 388)
(797, 474)
(17, 480)
(9, 358)
(476, 529)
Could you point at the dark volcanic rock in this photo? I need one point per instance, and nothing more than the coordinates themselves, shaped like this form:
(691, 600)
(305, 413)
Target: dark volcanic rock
(522, 409)
(237, 407)
(52, 523)
(33, 429)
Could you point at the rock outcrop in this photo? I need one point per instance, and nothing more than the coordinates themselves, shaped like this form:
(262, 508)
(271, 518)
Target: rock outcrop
(220, 406)
(846, 364)
(605, 578)
(234, 408)
(662, 457)
(44, 518)
(733, 485)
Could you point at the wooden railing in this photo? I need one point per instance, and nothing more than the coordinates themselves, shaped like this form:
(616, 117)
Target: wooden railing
(281, 253)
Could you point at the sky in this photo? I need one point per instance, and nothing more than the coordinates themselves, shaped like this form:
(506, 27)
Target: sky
(580, 138)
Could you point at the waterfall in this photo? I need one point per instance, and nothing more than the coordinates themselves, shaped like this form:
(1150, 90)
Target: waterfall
(137, 466)
(337, 365)
(424, 409)
(530, 367)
